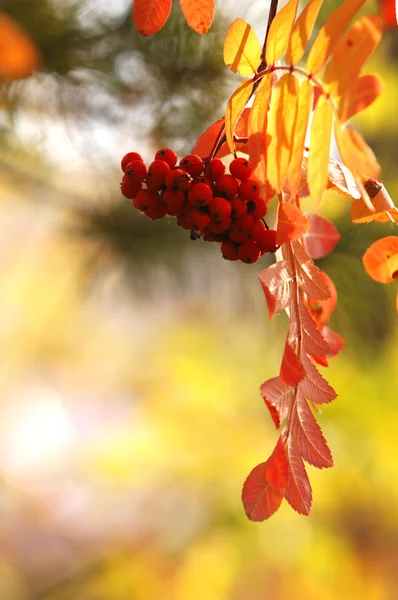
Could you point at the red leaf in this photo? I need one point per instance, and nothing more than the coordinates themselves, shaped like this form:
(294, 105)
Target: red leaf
(334, 341)
(321, 310)
(308, 275)
(292, 224)
(276, 282)
(263, 489)
(308, 436)
(321, 238)
(278, 398)
(312, 339)
(292, 371)
(359, 95)
(314, 387)
(388, 9)
(150, 15)
(198, 14)
(205, 143)
(298, 492)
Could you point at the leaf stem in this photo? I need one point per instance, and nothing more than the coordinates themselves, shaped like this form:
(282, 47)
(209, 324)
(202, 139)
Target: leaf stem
(271, 15)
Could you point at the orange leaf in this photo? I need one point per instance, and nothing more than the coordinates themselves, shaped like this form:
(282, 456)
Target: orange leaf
(264, 488)
(199, 14)
(257, 134)
(19, 56)
(384, 212)
(381, 259)
(318, 158)
(300, 130)
(342, 180)
(235, 106)
(281, 122)
(321, 238)
(242, 50)
(279, 32)
(292, 371)
(276, 282)
(292, 224)
(309, 276)
(205, 143)
(330, 34)
(150, 15)
(388, 9)
(321, 310)
(352, 52)
(359, 95)
(301, 32)
(355, 152)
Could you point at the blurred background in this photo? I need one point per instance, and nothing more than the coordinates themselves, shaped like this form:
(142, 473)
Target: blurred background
(131, 357)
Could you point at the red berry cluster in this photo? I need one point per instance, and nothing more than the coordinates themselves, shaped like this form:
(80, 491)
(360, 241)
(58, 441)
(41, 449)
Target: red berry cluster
(212, 204)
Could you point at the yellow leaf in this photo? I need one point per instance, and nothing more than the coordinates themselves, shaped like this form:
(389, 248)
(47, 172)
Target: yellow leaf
(318, 158)
(330, 34)
(300, 130)
(198, 14)
(19, 56)
(355, 152)
(359, 95)
(235, 106)
(257, 132)
(352, 52)
(281, 122)
(301, 32)
(279, 32)
(242, 50)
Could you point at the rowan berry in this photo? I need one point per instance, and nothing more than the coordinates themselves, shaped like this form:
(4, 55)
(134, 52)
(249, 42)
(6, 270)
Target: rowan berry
(130, 188)
(200, 194)
(243, 224)
(157, 171)
(229, 250)
(267, 242)
(249, 252)
(200, 220)
(157, 211)
(238, 237)
(174, 199)
(219, 227)
(257, 208)
(168, 155)
(226, 185)
(239, 208)
(186, 222)
(240, 168)
(145, 199)
(136, 171)
(255, 231)
(177, 179)
(249, 190)
(216, 168)
(219, 208)
(192, 164)
(128, 158)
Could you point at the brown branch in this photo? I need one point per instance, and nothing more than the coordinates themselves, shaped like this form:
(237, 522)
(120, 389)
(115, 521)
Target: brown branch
(271, 15)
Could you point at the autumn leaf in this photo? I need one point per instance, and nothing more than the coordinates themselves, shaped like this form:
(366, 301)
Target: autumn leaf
(300, 131)
(318, 157)
(352, 52)
(199, 14)
(309, 276)
(242, 50)
(150, 15)
(333, 340)
(388, 10)
(301, 32)
(205, 143)
(328, 36)
(264, 488)
(276, 282)
(279, 32)
(311, 444)
(281, 129)
(384, 208)
(19, 56)
(381, 259)
(292, 223)
(298, 491)
(321, 238)
(355, 152)
(314, 387)
(235, 106)
(359, 95)
(321, 310)
(292, 371)
(278, 397)
(342, 180)
(257, 133)
(312, 339)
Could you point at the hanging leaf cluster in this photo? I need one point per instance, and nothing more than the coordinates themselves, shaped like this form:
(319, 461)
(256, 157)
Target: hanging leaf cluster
(151, 15)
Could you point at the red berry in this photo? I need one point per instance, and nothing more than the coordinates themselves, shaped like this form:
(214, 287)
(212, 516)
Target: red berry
(216, 168)
(157, 171)
(173, 199)
(136, 171)
(226, 185)
(219, 208)
(200, 194)
(257, 208)
(249, 190)
(168, 155)
(240, 168)
(229, 250)
(220, 226)
(201, 220)
(130, 188)
(192, 164)
(157, 211)
(243, 224)
(249, 252)
(185, 221)
(237, 236)
(145, 199)
(239, 208)
(177, 179)
(267, 241)
(256, 231)
(128, 158)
